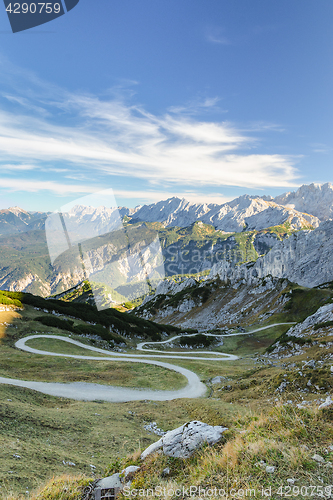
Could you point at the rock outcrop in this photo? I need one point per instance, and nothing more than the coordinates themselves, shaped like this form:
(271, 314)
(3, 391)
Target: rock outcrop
(212, 304)
(305, 328)
(315, 199)
(305, 258)
(185, 440)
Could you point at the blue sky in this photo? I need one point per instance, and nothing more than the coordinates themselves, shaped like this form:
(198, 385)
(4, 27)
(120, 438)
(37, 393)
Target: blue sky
(205, 99)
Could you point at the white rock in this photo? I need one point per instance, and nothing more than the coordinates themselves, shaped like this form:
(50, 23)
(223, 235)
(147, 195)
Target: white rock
(113, 481)
(166, 472)
(327, 402)
(318, 458)
(217, 380)
(183, 441)
(270, 469)
(262, 463)
(129, 472)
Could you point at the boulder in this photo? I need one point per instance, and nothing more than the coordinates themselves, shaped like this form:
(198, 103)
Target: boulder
(217, 380)
(185, 440)
(328, 402)
(129, 472)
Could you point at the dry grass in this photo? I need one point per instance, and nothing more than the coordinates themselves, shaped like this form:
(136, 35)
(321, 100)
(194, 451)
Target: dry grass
(285, 438)
(65, 487)
(6, 317)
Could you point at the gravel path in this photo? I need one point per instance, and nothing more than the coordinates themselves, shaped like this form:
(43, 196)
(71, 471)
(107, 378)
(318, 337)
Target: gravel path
(91, 392)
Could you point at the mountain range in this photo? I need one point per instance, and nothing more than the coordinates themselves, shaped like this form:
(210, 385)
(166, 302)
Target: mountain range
(283, 230)
(308, 206)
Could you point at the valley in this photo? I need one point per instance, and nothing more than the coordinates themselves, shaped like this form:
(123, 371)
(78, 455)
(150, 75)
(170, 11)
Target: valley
(235, 332)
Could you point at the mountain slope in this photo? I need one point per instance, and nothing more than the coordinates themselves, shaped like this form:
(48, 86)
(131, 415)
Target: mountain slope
(15, 220)
(194, 237)
(305, 258)
(25, 264)
(212, 304)
(315, 199)
(251, 212)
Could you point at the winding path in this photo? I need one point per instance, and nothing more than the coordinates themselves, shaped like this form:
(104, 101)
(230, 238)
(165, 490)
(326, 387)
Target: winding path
(92, 392)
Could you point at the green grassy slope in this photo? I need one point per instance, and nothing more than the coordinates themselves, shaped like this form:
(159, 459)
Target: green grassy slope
(48, 433)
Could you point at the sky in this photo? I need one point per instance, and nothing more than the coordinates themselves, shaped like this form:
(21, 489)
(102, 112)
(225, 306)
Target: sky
(201, 99)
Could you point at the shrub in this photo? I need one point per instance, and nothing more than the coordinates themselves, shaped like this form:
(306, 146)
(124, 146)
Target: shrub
(197, 340)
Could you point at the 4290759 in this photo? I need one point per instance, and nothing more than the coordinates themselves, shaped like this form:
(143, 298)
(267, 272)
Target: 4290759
(33, 8)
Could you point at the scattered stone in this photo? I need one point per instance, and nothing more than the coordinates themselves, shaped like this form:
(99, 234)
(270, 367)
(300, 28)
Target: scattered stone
(71, 464)
(318, 458)
(281, 387)
(327, 402)
(270, 469)
(262, 463)
(291, 481)
(310, 364)
(129, 472)
(166, 472)
(16, 456)
(183, 441)
(152, 427)
(217, 380)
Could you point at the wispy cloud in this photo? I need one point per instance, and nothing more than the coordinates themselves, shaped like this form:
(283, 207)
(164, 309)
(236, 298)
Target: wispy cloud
(154, 196)
(198, 106)
(12, 167)
(96, 138)
(215, 35)
(319, 147)
(34, 186)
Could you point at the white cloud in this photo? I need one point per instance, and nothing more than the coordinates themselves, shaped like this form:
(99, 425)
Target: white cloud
(10, 167)
(155, 196)
(319, 147)
(111, 137)
(198, 105)
(215, 34)
(36, 186)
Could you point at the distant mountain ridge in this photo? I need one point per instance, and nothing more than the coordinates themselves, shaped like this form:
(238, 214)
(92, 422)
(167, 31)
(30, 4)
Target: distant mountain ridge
(304, 208)
(250, 212)
(315, 199)
(15, 220)
(194, 238)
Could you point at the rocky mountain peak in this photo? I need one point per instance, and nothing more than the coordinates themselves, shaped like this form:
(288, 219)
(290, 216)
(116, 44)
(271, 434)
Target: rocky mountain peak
(315, 199)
